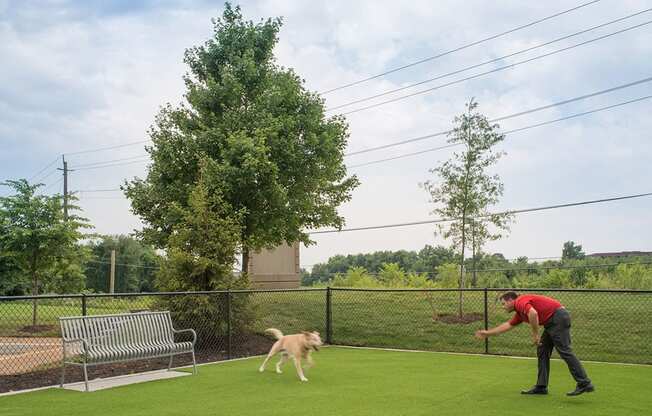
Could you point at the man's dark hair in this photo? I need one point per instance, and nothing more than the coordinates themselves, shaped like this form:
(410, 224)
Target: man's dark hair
(508, 296)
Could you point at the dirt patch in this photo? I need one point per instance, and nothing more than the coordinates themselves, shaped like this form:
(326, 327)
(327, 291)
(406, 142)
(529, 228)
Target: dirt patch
(454, 318)
(37, 329)
(24, 354)
(243, 345)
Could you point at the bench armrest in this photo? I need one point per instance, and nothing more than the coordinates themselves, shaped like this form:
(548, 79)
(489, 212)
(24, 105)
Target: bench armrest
(70, 341)
(192, 331)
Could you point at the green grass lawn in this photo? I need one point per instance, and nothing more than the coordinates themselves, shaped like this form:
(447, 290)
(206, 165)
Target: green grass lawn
(359, 382)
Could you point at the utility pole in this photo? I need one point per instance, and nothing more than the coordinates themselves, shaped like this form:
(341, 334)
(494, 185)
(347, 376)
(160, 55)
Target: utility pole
(65, 187)
(112, 281)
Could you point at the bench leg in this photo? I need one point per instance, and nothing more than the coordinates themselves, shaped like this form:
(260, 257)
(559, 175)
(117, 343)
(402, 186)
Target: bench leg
(63, 374)
(63, 366)
(194, 364)
(170, 365)
(85, 377)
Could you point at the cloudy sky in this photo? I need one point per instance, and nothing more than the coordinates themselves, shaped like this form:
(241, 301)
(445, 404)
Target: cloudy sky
(82, 75)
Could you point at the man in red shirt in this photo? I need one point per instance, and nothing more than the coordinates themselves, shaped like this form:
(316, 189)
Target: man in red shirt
(543, 311)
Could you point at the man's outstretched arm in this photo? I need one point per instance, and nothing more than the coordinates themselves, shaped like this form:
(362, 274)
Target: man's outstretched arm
(484, 333)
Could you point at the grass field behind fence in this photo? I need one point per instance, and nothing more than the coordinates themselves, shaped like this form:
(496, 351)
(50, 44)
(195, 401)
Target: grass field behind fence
(606, 326)
(359, 382)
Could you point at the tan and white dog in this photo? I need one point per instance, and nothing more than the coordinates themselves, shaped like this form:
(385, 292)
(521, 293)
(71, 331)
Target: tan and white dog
(296, 346)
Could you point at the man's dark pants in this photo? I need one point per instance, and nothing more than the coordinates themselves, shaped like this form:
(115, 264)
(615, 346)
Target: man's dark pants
(557, 335)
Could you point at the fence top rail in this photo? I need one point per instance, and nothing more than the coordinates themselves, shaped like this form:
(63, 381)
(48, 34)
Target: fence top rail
(490, 289)
(132, 314)
(202, 292)
(341, 289)
(32, 297)
(138, 294)
(572, 290)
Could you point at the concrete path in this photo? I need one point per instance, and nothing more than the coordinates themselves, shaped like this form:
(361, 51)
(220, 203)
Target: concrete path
(107, 383)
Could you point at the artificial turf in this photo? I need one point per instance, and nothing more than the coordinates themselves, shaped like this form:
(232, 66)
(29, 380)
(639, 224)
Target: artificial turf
(359, 382)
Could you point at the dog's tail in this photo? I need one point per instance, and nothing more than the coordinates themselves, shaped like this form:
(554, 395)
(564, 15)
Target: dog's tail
(275, 332)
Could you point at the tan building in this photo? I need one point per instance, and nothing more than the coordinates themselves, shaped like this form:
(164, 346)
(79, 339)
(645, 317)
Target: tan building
(275, 269)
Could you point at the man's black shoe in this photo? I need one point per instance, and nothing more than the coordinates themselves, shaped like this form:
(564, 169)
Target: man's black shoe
(581, 389)
(535, 390)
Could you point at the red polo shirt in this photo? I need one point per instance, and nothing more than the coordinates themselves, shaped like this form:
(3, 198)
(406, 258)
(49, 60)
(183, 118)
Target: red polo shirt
(544, 306)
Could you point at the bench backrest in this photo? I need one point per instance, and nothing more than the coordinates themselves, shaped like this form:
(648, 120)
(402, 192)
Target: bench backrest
(142, 328)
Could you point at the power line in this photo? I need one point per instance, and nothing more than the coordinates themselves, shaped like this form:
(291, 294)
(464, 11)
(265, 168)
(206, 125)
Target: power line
(501, 68)
(44, 169)
(52, 184)
(521, 113)
(373, 162)
(488, 62)
(457, 144)
(99, 149)
(113, 165)
(518, 211)
(430, 58)
(104, 162)
(48, 175)
(103, 197)
(97, 190)
(123, 264)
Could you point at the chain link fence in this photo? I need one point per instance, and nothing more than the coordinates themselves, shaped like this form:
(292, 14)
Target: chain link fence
(608, 325)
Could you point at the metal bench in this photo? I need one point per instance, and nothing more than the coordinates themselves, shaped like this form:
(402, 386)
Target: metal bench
(104, 339)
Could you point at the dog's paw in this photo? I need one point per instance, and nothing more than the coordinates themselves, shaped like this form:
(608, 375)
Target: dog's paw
(261, 369)
(304, 379)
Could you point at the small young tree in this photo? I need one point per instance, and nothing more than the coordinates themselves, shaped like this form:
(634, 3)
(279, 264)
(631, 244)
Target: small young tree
(41, 243)
(201, 254)
(464, 190)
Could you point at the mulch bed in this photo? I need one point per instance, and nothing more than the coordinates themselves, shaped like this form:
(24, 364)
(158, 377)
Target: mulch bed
(37, 329)
(243, 346)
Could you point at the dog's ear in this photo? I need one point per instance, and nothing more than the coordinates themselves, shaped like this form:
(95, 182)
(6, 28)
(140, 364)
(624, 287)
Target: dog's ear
(306, 333)
(316, 333)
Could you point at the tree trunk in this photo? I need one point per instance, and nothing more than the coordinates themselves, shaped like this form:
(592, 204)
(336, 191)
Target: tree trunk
(475, 277)
(461, 298)
(245, 260)
(34, 290)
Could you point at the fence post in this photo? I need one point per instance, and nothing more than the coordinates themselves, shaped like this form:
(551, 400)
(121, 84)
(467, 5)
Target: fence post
(329, 317)
(228, 324)
(486, 320)
(83, 304)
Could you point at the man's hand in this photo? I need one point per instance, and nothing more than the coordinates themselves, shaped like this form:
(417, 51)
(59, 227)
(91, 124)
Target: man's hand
(536, 340)
(482, 334)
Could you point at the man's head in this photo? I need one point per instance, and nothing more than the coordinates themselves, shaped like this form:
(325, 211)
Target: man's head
(507, 300)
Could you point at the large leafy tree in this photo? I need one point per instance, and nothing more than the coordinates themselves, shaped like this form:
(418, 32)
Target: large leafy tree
(278, 159)
(41, 244)
(465, 190)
